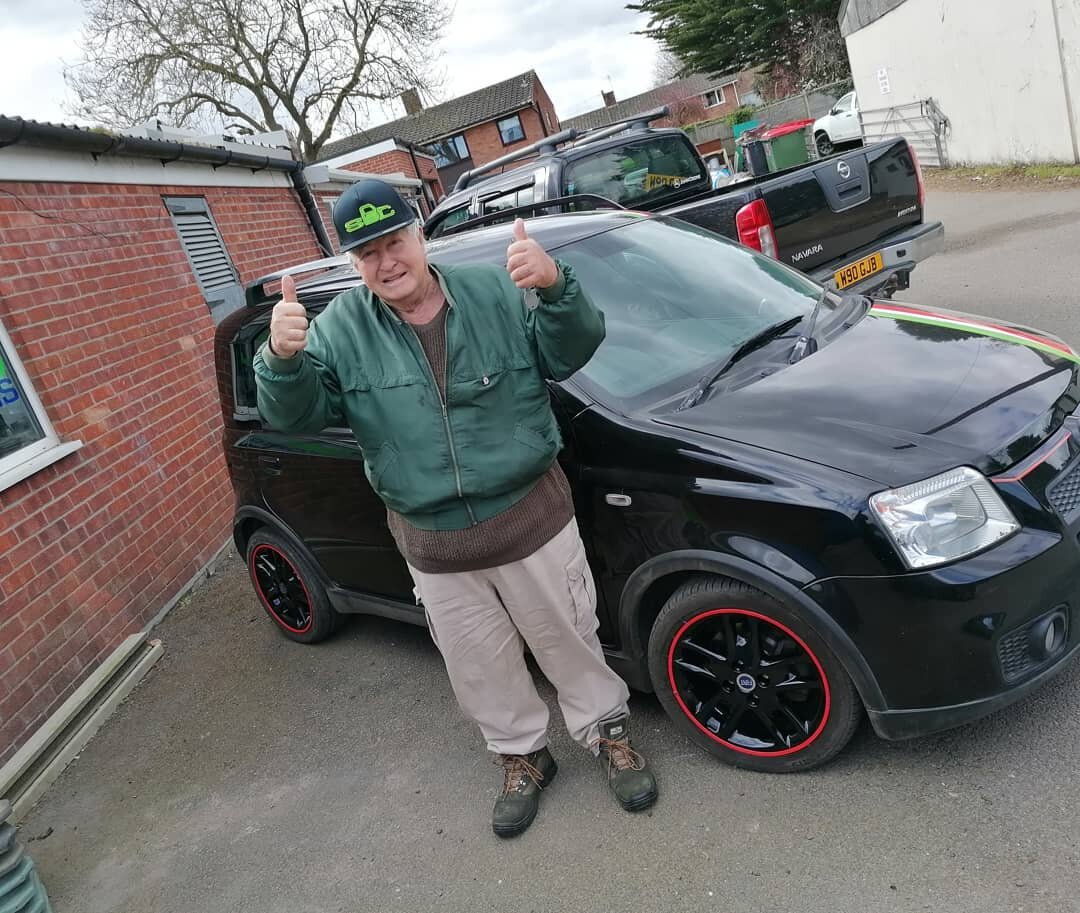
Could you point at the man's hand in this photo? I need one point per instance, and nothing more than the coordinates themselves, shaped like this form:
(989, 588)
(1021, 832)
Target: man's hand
(527, 262)
(288, 323)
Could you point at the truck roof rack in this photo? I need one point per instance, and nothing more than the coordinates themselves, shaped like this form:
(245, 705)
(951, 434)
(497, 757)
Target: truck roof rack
(572, 136)
(559, 203)
(255, 293)
(634, 122)
(547, 144)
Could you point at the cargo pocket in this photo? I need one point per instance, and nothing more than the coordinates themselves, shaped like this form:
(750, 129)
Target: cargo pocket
(582, 592)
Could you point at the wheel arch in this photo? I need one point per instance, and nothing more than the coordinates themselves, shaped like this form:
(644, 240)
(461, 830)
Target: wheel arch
(650, 586)
(249, 520)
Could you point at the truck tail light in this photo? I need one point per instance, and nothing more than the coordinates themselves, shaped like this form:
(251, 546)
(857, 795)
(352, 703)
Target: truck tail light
(918, 175)
(755, 228)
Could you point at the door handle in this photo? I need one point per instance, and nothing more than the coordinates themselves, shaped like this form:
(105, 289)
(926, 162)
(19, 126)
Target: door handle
(270, 465)
(616, 499)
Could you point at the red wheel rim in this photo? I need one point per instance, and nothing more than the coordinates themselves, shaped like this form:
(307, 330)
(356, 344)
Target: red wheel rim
(748, 682)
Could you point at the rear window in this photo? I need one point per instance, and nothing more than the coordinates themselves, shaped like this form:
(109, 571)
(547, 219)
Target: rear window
(638, 171)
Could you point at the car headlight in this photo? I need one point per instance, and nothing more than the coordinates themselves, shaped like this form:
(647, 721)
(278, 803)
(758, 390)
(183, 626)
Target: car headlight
(944, 518)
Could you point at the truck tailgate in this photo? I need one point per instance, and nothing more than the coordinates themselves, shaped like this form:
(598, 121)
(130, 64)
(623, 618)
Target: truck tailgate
(823, 212)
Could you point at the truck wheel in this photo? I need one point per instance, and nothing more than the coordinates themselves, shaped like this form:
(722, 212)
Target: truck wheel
(825, 145)
(748, 680)
(289, 588)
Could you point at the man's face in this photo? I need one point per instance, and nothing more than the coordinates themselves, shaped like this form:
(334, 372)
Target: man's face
(394, 266)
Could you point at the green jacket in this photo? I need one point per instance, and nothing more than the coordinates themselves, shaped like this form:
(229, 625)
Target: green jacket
(441, 466)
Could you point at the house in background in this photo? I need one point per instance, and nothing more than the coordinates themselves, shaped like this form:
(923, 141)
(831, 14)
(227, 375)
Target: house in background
(695, 98)
(1006, 77)
(462, 133)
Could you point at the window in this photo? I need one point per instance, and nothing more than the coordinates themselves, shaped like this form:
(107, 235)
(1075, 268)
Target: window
(637, 171)
(453, 217)
(508, 200)
(218, 279)
(714, 97)
(510, 129)
(845, 104)
(27, 440)
(450, 150)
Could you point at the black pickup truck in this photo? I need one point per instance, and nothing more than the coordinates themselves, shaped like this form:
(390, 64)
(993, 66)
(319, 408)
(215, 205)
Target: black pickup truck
(852, 221)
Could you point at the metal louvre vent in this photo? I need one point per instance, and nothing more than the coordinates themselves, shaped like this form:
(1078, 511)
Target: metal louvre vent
(218, 279)
(205, 249)
(1064, 493)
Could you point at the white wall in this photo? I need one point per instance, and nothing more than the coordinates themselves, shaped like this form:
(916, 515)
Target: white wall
(991, 65)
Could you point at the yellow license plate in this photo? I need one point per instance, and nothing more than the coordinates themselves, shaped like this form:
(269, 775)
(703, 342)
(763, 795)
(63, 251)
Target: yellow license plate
(859, 270)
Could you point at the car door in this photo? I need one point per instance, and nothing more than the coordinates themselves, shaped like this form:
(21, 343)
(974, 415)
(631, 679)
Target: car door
(314, 484)
(846, 127)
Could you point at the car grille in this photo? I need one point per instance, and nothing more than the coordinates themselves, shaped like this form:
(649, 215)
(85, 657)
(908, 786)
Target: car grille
(1015, 655)
(1064, 493)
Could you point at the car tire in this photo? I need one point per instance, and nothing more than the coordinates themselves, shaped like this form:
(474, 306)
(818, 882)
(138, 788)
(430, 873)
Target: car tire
(289, 588)
(825, 145)
(791, 709)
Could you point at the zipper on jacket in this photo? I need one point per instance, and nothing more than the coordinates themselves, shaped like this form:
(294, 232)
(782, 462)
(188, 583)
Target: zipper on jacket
(445, 414)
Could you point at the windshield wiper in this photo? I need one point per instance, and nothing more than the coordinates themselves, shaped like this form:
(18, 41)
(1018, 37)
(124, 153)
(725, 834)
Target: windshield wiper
(744, 348)
(802, 346)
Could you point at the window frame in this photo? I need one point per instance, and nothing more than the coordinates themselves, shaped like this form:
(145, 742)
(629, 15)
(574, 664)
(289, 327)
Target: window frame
(34, 456)
(450, 140)
(718, 91)
(498, 126)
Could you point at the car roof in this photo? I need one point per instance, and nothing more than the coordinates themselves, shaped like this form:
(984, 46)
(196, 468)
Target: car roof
(486, 245)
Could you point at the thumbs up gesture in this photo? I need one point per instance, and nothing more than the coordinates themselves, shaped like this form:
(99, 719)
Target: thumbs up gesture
(288, 322)
(528, 263)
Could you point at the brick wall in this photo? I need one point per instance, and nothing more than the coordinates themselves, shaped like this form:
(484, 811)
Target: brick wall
(485, 143)
(400, 161)
(103, 310)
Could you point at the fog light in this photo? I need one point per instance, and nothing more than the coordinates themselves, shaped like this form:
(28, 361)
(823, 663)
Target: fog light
(1048, 635)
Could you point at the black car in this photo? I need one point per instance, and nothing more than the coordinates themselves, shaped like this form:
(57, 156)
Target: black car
(797, 504)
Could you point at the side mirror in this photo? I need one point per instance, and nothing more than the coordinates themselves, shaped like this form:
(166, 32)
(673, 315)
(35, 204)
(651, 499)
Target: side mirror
(834, 112)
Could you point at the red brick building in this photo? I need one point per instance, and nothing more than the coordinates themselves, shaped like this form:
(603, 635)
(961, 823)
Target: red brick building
(461, 133)
(694, 99)
(116, 256)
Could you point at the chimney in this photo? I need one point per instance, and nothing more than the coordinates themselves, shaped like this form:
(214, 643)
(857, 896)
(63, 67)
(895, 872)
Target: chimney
(609, 98)
(410, 98)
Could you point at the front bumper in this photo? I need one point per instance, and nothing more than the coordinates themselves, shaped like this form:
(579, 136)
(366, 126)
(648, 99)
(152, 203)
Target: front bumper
(908, 724)
(938, 642)
(901, 253)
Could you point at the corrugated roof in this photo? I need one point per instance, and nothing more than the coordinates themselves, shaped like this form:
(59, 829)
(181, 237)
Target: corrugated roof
(638, 104)
(444, 119)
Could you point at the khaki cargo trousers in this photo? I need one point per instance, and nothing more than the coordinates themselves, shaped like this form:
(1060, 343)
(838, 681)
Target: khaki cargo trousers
(480, 620)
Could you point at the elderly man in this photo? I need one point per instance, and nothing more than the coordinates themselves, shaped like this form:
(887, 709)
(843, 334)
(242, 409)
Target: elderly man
(440, 372)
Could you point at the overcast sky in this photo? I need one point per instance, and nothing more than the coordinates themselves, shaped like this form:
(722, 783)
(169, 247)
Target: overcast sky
(487, 41)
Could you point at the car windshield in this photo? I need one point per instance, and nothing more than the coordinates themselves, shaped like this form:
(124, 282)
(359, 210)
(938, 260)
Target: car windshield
(676, 299)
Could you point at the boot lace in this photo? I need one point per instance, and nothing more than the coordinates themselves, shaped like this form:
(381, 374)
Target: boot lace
(516, 772)
(621, 756)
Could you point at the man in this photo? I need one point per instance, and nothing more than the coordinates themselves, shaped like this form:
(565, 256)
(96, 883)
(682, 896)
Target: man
(440, 372)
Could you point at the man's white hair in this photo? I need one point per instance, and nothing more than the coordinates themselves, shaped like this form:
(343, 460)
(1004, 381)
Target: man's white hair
(414, 227)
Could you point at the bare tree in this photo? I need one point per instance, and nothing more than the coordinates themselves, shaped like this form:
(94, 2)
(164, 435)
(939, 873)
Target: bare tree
(667, 68)
(252, 65)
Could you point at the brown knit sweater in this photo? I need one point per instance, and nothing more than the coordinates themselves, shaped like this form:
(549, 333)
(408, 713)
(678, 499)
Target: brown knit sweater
(510, 536)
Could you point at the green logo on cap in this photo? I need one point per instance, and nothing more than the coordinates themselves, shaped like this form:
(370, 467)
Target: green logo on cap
(369, 215)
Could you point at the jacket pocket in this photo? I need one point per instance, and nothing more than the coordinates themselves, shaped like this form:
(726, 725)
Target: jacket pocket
(384, 462)
(532, 439)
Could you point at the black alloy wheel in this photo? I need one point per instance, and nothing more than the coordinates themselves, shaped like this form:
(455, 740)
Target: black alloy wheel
(825, 145)
(748, 680)
(289, 588)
